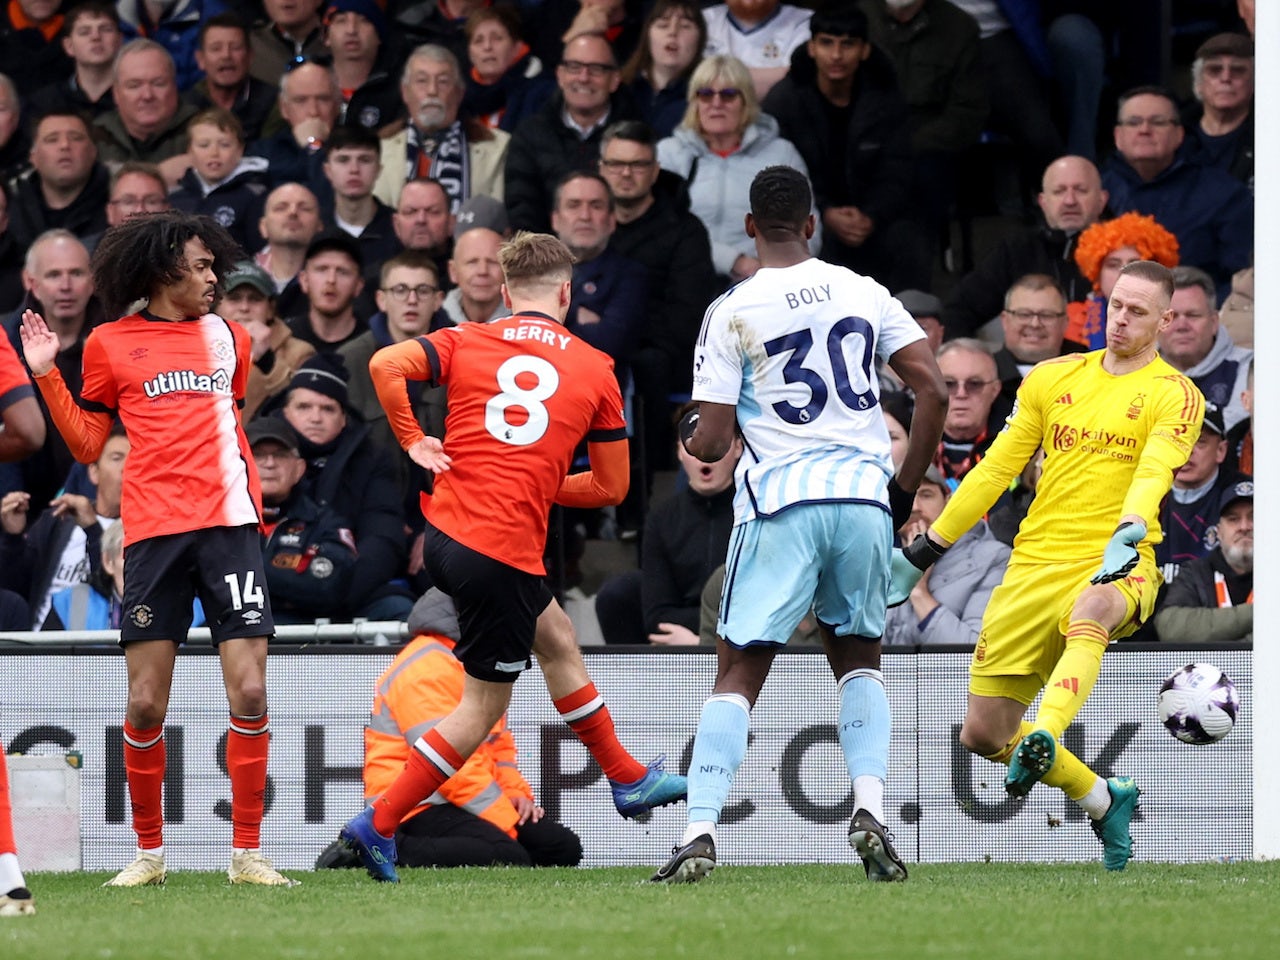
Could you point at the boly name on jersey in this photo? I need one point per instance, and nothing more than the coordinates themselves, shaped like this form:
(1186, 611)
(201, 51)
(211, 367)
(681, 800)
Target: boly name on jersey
(807, 296)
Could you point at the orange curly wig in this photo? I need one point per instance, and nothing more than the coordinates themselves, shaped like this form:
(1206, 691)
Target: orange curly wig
(1152, 241)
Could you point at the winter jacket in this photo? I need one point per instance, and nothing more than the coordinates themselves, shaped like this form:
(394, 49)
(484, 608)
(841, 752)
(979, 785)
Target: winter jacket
(876, 145)
(979, 296)
(271, 372)
(116, 145)
(235, 203)
(178, 31)
(29, 216)
(67, 95)
(719, 186)
(1189, 612)
(936, 55)
(29, 60)
(661, 109)
(1233, 153)
(1222, 376)
(270, 51)
(287, 162)
(543, 150)
(422, 685)
(29, 560)
(376, 103)
(617, 289)
(673, 246)
(309, 555)
(685, 539)
(486, 155)
(352, 475)
(517, 94)
(252, 107)
(961, 581)
(1208, 210)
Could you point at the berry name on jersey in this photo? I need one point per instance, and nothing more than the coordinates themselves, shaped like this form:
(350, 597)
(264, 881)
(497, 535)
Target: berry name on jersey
(530, 332)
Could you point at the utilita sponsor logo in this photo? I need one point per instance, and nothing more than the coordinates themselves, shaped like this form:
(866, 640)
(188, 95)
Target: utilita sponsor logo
(187, 381)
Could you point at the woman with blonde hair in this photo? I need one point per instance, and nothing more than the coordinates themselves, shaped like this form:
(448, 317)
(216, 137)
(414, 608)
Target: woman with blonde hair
(723, 141)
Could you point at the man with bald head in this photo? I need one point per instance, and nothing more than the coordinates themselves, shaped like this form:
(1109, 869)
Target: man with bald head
(474, 269)
(1071, 198)
(59, 285)
(290, 221)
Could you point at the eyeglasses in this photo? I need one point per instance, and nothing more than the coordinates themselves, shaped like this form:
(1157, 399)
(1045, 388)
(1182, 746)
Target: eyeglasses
(593, 70)
(972, 385)
(401, 291)
(1044, 316)
(634, 166)
(152, 204)
(727, 95)
(1222, 69)
(1158, 123)
(319, 59)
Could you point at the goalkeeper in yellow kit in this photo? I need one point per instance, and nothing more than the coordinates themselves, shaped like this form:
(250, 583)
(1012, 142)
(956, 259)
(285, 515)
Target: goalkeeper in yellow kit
(1115, 424)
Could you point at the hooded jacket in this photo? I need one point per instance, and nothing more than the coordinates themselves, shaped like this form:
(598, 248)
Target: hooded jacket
(961, 581)
(116, 144)
(719, 186)
(1222, 376)
(235, 203)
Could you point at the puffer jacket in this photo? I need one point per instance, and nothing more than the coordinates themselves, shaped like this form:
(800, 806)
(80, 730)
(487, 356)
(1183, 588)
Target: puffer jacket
(719, 186)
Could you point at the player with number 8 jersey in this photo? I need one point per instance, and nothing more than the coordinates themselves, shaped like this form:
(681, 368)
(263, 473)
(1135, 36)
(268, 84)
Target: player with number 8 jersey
(523, 392)
(529, 393)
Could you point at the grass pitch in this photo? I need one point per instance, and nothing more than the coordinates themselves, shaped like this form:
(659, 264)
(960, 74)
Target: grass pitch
(979, 911)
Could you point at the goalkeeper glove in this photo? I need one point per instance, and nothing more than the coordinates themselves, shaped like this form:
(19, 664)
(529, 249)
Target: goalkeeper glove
(900, 503)
(1121, 554)
(908, 566)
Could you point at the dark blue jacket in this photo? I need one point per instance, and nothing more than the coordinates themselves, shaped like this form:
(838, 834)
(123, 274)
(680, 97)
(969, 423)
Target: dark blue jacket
(1208, 210)
(235, 203)
(617, 289)
(310, 558)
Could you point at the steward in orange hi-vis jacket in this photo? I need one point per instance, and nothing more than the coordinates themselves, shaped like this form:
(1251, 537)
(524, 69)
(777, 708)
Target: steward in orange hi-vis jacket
(485, 813)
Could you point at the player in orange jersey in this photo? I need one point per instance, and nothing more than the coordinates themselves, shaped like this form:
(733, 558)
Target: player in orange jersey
(21, 433)
(175, 375)
(522, 393)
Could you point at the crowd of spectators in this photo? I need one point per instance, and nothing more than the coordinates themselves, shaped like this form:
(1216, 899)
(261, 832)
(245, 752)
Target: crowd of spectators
(371, 155)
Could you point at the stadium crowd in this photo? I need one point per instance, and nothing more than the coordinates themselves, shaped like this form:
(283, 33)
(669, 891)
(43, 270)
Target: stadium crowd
(370, 157)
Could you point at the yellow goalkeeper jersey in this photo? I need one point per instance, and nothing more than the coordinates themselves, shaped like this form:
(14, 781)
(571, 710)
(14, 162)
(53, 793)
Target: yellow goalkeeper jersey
(1112, 444)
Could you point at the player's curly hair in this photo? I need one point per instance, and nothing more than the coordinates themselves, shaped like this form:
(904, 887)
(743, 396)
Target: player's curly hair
(1144, 234)
(136, 258)
(780, 200)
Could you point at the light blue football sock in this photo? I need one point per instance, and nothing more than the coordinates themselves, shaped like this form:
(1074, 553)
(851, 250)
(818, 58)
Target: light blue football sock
(718, 749)
(864, 723)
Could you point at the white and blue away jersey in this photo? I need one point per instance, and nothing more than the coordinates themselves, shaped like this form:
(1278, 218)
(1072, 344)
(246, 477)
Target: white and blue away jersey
(795, 349)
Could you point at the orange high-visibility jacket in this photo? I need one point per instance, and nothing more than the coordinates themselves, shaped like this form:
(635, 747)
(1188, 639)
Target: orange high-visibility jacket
(418, 690)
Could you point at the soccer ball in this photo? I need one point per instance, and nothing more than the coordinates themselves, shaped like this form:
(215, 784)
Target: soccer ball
(1198, 704)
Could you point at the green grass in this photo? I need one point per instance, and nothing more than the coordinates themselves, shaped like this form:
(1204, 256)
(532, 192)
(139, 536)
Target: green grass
(948, 910)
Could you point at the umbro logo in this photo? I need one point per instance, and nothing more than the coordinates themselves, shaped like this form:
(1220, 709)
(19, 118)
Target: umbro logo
(1065, 398)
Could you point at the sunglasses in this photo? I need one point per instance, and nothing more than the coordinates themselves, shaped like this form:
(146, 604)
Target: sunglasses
(319, 59)
(727, 95)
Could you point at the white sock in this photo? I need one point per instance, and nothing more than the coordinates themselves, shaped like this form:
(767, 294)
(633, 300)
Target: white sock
(239, 850)
(868, 795)
(10, 873)
(696, 829)
(154, 851)
(1097, 801)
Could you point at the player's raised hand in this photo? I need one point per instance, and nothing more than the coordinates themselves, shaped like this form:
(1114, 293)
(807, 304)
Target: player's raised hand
(429, 453)
(39, 343)
(1121, 554)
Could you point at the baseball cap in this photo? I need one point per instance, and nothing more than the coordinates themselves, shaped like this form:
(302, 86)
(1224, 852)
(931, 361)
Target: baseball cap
(271, 428)
(920, 304)
(1242, 490)
(1213, 419)
(934, 475)
(480, 211)
(248, 273)
(366, 8)
(1226, 44)
(338, 240)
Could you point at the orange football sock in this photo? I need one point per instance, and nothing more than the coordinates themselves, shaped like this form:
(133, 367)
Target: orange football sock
(7, 843)
(144, 770)
(431, 762)
(585, 712)
(247, 741)
(1073, 678)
